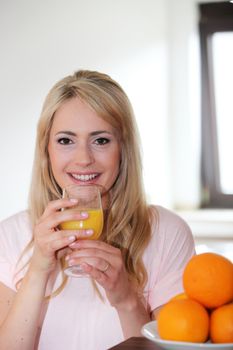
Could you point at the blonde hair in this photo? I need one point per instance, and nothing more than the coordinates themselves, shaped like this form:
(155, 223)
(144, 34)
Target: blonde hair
(128, 220)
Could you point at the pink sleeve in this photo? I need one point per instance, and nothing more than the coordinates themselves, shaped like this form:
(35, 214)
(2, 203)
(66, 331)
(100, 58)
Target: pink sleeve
(6, 265)
(15, 233)
(174, 248)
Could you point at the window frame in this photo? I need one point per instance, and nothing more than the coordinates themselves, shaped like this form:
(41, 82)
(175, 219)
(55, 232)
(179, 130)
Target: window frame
(214, 17)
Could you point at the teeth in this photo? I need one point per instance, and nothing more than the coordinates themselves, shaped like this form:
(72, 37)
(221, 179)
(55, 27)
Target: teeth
(84, 177)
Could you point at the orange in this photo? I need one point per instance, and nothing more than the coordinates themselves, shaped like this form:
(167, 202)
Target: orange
(183, 320)
(179, 296)
(208, 278)
(221, 324)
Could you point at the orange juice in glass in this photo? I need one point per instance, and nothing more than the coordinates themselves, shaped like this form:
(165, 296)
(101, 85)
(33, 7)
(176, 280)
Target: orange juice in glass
(89, 200)
(94, 221)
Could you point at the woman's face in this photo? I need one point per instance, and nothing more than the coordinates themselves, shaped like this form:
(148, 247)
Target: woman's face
(83, 148)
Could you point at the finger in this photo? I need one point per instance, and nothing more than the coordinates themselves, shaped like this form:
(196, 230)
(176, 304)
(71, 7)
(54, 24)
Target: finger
(59, 204)
(96, 263)
(57, 218)
(62, 252)
(80, 260)
(96, 274)
(96, 254)
(96, 244)
(57, 244)
(60, 239)
(79, 234)
(49, 247)
(107, 267)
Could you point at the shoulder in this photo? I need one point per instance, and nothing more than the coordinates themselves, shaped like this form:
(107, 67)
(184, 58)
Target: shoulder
(170, 248)
(167, 221)
(15, 234)
(16, 228)
(169, 230)
(17, 220)
(171, 244)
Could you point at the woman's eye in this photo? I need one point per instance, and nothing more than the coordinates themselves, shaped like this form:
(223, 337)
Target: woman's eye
(101, 141)
(64, 141)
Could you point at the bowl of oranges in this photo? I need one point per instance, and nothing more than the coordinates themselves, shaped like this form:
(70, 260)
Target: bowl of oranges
(202, 316)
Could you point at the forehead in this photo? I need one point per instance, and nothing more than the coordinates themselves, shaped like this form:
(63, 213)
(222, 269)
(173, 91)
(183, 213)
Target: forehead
(77, 114)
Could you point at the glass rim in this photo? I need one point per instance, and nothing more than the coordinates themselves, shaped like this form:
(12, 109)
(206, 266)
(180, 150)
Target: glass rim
(80, 187)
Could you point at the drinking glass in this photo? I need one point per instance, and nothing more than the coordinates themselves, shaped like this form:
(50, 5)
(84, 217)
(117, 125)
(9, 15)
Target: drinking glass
(89, 200)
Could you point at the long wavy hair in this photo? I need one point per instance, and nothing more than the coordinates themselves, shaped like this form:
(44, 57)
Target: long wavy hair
(127, 224)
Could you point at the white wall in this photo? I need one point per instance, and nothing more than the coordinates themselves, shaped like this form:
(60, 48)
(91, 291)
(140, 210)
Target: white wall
(140, 43)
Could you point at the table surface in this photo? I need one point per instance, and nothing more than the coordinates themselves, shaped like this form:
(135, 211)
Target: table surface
(136, 343)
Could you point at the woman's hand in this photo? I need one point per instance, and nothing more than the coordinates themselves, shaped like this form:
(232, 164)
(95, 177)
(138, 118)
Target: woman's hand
(104, 263)
(49, 240)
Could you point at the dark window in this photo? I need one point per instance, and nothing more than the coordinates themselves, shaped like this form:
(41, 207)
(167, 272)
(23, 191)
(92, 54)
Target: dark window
(216, 38)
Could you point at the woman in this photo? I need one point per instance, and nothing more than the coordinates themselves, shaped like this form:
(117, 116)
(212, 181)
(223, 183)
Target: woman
(87, 135)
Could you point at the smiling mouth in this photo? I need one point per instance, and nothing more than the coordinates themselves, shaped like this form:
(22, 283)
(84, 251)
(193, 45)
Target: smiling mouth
(84, 177)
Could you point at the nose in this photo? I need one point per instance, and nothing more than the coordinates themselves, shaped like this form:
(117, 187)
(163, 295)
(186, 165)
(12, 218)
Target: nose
(83, 155)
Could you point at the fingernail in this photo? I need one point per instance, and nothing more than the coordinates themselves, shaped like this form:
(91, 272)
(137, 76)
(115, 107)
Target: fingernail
(84, 214)
(73, 200)
(75, 245)
(70, 262)
(67, 257)
(71, 238)
(89, 232)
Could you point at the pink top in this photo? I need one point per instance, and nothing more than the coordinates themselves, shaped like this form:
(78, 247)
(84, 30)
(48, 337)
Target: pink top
(77, 319)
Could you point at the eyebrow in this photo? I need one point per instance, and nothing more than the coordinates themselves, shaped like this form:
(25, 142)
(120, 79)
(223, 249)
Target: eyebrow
(93, 133)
